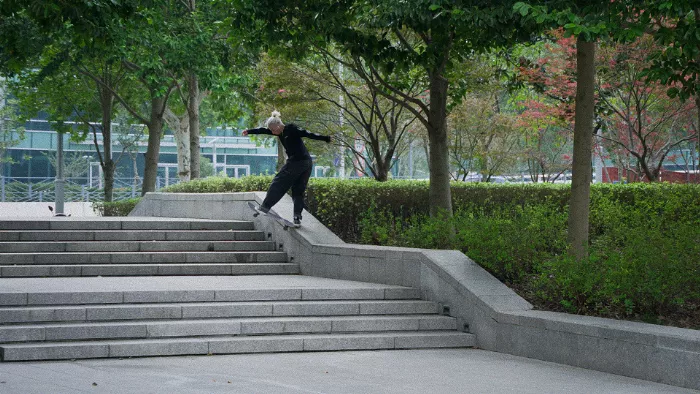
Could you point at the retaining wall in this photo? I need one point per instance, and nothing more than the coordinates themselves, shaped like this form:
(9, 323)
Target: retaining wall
(501, 320)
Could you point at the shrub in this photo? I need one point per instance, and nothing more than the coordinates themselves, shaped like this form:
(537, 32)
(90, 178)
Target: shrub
(115, 208)
(219, 184)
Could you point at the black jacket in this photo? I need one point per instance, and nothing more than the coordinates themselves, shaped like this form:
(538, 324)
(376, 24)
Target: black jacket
(291, 140)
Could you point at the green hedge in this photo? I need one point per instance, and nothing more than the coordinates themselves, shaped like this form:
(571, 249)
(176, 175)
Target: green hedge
(218, 184)
(115, 208)
(340, 204)
(645, 238)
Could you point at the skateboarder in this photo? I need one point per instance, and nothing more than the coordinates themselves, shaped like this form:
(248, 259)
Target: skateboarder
(296, 171)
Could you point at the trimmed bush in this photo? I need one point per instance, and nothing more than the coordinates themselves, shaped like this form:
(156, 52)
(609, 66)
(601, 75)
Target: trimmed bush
(219, 184)
(115, 208)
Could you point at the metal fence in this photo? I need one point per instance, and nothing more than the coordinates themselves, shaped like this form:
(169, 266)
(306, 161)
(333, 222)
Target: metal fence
(24, 189)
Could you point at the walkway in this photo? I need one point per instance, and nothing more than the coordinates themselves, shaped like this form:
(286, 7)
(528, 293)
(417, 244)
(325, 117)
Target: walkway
(411, 371)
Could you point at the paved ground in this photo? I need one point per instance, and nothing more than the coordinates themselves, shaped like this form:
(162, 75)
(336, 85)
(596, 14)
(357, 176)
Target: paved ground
(411, 371)
(41, 209)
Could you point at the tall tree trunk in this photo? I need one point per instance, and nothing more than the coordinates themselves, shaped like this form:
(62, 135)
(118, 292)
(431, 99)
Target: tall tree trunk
(439, 193)
(181, 127)
(193, 112)
(184, 153)
(280, 155)
(106, 98)
(108, 165)
(583, 144)
(134, 161)
(155, 128)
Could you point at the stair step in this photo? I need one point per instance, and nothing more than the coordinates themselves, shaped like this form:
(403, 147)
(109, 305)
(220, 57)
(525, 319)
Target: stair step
(121, 287)
(135, 246)
(235, 326)
(204, 310)
(235, 292)
(235, 344)
(124, 224)
(130, 235)
(198, 269)
(141, 257)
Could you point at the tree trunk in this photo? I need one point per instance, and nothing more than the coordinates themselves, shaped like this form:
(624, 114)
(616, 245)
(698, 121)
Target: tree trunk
(108, 166)
(193, 112)
(439, 193)
(181, 127)
(280, 155)
(135, 163)
(583, 144)
(184, 154)
(155, 128)
(382, 172)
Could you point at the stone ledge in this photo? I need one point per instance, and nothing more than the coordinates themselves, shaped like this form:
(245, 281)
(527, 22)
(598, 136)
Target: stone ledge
(501, 320)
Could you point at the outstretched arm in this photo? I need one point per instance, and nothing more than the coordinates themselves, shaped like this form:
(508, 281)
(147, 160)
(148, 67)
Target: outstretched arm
(313, 136)
(259, 130)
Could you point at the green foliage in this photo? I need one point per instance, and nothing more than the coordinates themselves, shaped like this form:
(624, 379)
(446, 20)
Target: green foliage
(115, 208)
(217, 184)
(338, 204)
(644, 248)
(206, 168)
(676, 62)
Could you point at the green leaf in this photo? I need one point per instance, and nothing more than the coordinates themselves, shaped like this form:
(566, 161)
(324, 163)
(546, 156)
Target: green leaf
(672, 92)
(522, 8)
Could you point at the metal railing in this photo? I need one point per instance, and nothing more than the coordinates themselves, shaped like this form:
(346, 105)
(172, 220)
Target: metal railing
(34, 189)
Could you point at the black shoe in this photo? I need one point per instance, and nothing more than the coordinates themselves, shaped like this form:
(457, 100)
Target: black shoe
(297, 220)
(264, 209)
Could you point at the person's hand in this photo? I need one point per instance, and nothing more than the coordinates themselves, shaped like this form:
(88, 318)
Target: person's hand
(245, 133)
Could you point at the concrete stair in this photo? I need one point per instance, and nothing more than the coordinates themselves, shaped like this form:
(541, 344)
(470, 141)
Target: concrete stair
(131, 247)
(130, 287)
(50, 319)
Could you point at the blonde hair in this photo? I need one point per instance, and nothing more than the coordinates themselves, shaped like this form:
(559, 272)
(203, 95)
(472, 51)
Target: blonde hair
(276, 118)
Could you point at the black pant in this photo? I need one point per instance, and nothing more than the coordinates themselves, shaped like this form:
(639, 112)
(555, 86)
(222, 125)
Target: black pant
(294, 175)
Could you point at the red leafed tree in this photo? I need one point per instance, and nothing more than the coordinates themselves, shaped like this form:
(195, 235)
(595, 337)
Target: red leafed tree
(643, 126)
(640, 125)
(547, 109)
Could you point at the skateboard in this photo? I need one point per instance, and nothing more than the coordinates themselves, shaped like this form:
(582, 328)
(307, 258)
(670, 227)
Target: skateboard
(279, 219)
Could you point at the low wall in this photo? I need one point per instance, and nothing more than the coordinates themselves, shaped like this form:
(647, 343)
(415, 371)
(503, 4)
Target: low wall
(501, 320)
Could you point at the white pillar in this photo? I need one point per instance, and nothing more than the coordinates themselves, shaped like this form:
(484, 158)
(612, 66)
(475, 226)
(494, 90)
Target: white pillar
(60, 182)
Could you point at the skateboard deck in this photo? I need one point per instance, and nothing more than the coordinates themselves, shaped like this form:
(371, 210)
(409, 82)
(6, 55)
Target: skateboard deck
(279, 219)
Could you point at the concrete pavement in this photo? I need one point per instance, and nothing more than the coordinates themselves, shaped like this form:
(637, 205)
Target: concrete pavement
(411, 371)
(41, 209)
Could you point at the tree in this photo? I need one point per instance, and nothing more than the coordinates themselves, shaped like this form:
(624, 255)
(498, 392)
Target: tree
(546, 103)
(76, 166)
(136, 40)
(586, 21)
(129, 137)
(180, 125)
(675, 26)
(399, 37)
(42, 41)
(27, 26)
(640, 125)
(11, 127)
(326, 86)
(644, 125)
(483, 138)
